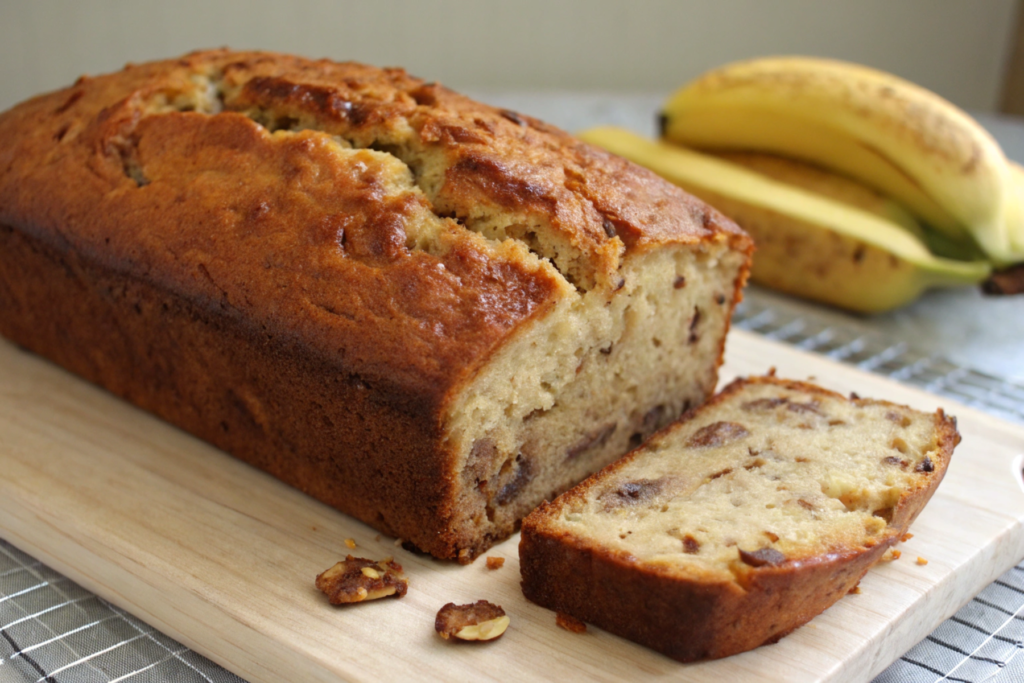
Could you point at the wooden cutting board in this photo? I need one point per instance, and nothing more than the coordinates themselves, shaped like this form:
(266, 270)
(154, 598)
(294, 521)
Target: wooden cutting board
(222, 557)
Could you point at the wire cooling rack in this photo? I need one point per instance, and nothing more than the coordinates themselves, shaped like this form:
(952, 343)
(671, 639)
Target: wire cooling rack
(54, 631)
(874, 353)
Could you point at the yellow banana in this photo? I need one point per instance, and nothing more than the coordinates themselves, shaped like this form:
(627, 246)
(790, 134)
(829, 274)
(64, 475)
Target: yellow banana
(819, 181)
(888, 133)
(855, 194)
(808, 245)
(1015, 206)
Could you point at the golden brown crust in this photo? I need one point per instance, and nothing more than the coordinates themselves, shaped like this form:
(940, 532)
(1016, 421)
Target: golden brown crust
(685, 618)
(690, 615)
(100, 136)
(197, 230)
(229, 240)
(260, 397)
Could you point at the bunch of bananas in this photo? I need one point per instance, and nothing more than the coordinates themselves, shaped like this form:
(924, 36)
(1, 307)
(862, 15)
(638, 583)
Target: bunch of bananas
(860, 189)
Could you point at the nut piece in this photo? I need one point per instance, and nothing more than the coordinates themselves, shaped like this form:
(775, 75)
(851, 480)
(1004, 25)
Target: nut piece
(480, 620)
(358, 579)
(762, 557)
(495, 562)
(569, 623)
(717, 434)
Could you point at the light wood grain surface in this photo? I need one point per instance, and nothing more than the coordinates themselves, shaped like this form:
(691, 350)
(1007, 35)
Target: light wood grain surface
(222, 557)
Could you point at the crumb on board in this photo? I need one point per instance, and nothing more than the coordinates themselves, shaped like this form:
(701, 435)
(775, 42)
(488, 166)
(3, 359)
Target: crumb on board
(855, 590)
(377, 537)
(921, 561)
(906, 537)
(495, 562)
(570, 623)
(350, 543)
(891, 554)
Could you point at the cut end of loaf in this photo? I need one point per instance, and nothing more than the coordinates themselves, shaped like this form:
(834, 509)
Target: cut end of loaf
(589, 382)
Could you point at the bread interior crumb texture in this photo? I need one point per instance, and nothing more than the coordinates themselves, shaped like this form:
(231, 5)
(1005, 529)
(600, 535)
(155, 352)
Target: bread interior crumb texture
(786, 474)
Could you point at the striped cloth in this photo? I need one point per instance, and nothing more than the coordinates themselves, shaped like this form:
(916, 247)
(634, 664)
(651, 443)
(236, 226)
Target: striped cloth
(978, 643)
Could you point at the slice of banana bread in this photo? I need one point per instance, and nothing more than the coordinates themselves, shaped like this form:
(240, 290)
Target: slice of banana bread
(739, 523)
(429, 313)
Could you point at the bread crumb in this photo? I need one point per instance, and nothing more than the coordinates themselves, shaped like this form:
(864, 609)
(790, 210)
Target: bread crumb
(891, 554)
(921, 561)
(464, 555)
(495, 562)
(855, 590)
(350, 543)
(906, 537)
(570, 623)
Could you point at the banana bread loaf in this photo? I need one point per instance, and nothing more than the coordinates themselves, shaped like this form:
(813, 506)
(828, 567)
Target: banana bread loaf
(424, 311)
(739, 523)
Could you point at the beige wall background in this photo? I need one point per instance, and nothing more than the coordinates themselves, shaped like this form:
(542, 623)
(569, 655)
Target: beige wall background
(956, 47)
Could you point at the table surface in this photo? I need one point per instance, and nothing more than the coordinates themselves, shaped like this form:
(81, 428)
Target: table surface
(961, 327)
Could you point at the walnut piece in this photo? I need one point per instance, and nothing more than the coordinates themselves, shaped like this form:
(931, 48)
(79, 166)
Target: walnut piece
(480, 620)
(717, 434)
(357, 579)
(762, 557)
(631, 493)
